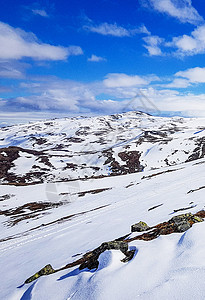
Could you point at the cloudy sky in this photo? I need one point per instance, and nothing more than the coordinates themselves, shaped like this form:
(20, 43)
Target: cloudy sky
(74, 57)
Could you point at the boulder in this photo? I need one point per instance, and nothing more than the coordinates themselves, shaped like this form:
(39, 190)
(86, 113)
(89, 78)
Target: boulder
(184, 222)
(139, 227)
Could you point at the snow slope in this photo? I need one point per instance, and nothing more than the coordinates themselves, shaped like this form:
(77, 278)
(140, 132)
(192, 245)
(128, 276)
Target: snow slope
(57, 222)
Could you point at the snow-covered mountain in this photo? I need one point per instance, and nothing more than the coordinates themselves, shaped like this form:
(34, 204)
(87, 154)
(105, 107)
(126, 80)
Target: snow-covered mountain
(66, 149)
(47, 217)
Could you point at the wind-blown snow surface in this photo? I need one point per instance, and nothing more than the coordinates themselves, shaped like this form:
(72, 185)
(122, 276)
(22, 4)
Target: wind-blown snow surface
(58, 222)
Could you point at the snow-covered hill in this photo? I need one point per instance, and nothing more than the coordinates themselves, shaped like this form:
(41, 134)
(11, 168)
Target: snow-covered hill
(66, 149)
(58, 220)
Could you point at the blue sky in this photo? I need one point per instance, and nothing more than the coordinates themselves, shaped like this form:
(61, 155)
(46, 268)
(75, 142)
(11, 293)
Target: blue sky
(79, 57)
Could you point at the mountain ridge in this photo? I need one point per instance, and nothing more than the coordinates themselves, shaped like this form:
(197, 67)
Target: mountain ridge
(72, 148)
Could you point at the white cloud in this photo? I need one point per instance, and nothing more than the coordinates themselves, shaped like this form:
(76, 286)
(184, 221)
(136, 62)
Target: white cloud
(184, 79)
(174, 103)
(123, 92)
(115, 29)
(178, 83)
(153, 50)
(194, 75)
(109, 29)
(56, 95)
(53, 95)
(75, 98)
(95, 58)
(74, 50)
(11, 73)
(12, 70)
(142, 29)
(40, 12)
(16, 44)
(61, 96)
(114, 80)
(179, 9)
(153, 45)
(189, 105)
(190, 44)
(53, 99)
(185, 45)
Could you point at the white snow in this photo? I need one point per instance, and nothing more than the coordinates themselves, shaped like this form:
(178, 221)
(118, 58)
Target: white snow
(170, 267)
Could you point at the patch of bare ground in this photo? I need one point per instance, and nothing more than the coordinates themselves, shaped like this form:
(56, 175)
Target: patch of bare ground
(97, 191)
(129, 185)
(199, 151)
(184, 208)
(198, 189)
(28, 211)
(160, 173)
(81, 194)
(6, 197)
(156, 206)
(131, 162)
(7, 157)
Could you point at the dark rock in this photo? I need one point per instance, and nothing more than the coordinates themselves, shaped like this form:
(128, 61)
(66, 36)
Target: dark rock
(91, 258)
(129, 255)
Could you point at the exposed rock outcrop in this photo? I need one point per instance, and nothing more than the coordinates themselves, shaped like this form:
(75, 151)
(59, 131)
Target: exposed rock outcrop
(89, 260)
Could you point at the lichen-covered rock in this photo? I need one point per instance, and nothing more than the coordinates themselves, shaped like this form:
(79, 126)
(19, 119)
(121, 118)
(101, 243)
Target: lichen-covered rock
(139, 227)
(197, 219)
(48, 269)
(180, 218)
(187, 217)
(185, 221)
(116, 245)
(183, 226)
